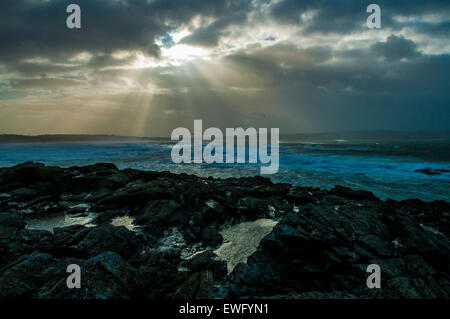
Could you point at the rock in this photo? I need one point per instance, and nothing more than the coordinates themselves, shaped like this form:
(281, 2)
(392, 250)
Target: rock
(108, 238)
(95, 168)
(210, 236)
(198, 286)
(158, 211)
(428, 171)
(107, 216)
(325, 295)
(206, 260)
(101, 177)
(79, 208)
(138, 192)
(411, 265)
(9, 220)
(353, 194)
(171, 240)
(322, 252)
(414, 288)
(28, 274)
(110, 276)
(158, 276)
(251, 204)
(318, 245)
(67, 240)
(42, 208)
(105, 276)
(25, 193)
(16, 242)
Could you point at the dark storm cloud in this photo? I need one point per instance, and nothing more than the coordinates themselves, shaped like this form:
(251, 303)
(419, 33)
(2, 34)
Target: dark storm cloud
(291, 71)
(344, 16)
(104, 60)
(330, 16)
(438, 29)
(206, 37)
(33, 69)
(32, 28)
(395, 48)
(210, 34)
(44, 84)
(290, 55)
(362, 72)
(359, 93)
(39, 69)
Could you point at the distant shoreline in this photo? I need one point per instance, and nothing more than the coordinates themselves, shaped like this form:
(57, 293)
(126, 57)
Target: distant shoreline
(20, 139)
(338, 136)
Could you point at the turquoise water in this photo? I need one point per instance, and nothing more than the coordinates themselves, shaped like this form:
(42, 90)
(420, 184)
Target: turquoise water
(388, 168)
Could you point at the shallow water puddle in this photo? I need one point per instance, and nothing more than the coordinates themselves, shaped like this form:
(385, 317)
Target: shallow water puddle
(125, 221)
(59, 220)
(242, 240)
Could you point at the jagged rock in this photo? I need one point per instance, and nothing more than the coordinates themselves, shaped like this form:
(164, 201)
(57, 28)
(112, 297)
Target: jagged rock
(210, 236)
(105, 176)
(27, 274)
(77, 209)
(428, 171)
(158, 211)
(198, 286)
(321, 252)
(108, 238)
(107, 216)
(414, 288)
(158, 274)
(16, 242)
(138, 192)
(411, 265)
(353, 194)
(320, 247)
(9, 220)
(105, 276)
(206, 260)
(25, 193)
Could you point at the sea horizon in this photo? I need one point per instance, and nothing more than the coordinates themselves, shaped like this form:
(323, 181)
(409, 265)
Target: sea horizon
(390, 168)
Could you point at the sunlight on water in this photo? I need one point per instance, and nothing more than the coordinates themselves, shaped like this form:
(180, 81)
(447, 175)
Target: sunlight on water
(389, 169)
(59, 220)
(242, 240)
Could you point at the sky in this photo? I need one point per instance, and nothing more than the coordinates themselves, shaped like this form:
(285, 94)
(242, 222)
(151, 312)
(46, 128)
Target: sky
(145, 67)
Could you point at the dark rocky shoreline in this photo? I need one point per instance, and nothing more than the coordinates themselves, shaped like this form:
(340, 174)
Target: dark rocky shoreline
(320, 247)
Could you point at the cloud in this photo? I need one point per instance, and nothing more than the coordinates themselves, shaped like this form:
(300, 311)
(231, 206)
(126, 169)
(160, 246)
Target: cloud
(44, 84)
(395, 48)
(38, 28)
(343, 16)
(235, 13)
(104, 60)
(295, 64)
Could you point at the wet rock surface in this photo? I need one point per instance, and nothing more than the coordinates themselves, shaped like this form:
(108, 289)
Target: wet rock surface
(319, 247)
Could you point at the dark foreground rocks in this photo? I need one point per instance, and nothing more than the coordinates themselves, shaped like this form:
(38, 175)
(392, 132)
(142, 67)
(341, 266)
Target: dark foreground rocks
(320, 247)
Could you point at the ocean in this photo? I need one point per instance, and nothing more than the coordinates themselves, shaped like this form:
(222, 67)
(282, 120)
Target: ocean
(390, 169)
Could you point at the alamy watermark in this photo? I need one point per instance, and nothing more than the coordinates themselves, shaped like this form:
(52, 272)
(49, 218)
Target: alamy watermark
(73, 21)
(374, 280)
(74, 279)
(374, 20)
(214, 152)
